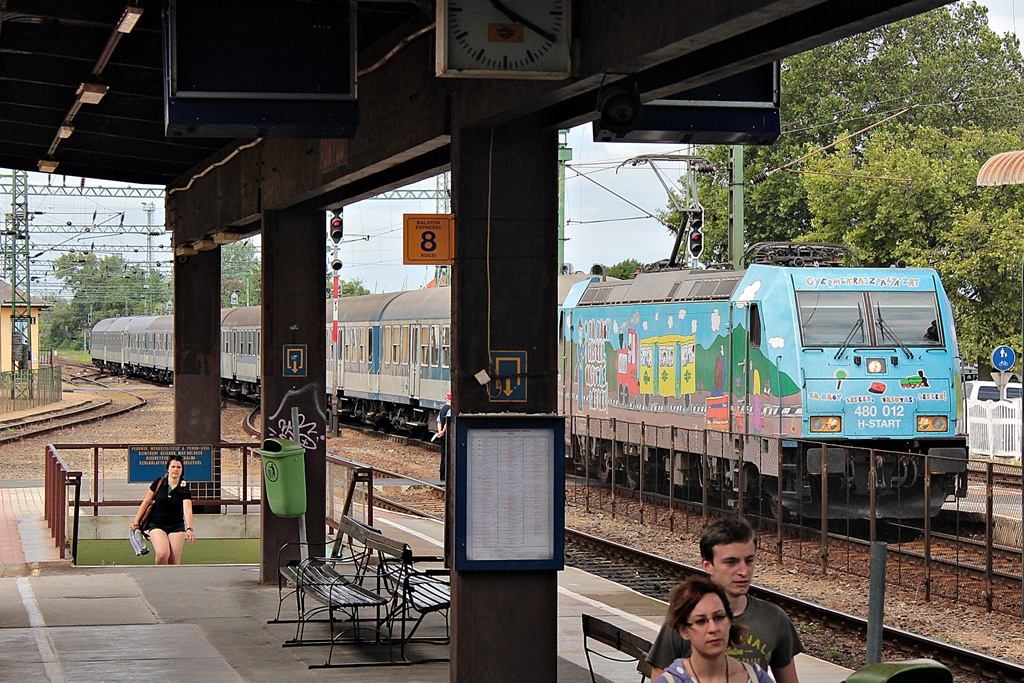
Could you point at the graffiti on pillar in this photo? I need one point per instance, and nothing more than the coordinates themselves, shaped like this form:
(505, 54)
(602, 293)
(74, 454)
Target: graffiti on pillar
(311, 417)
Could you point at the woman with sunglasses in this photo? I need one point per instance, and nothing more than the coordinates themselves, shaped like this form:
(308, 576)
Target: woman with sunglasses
(699, 610)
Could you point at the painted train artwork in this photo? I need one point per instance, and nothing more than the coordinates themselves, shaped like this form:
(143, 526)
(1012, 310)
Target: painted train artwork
(765, 365)
(857, 358)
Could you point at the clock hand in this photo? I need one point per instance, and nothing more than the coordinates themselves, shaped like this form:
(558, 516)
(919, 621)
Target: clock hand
(511, 14)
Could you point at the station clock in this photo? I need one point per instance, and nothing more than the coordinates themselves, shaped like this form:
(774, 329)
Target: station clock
(503, 39)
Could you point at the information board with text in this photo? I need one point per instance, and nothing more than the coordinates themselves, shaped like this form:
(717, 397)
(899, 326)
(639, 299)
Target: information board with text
(509, 492)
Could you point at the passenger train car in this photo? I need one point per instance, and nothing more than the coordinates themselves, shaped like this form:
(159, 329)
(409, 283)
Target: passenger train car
(828, 362)
(390, 367)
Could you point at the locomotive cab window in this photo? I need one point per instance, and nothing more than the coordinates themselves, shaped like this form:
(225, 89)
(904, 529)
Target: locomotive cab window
(882, 319)
(832, 318)
(910, 318)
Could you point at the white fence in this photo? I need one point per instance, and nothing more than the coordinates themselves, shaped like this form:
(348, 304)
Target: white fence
(994, 428)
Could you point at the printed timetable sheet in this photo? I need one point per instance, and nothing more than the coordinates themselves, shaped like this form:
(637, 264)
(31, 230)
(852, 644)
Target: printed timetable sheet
(510, 488)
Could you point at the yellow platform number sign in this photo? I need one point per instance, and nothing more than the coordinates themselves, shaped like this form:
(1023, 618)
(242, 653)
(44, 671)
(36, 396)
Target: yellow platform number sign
(429, 238)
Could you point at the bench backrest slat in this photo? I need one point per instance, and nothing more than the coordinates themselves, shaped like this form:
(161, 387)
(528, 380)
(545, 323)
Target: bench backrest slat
(618, 638)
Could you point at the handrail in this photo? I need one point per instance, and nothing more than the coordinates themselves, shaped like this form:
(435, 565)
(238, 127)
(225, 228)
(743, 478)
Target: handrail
(57, 478)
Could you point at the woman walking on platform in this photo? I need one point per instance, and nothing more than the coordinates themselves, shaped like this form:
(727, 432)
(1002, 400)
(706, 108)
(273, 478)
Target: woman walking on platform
(170, 520)
(700, 611)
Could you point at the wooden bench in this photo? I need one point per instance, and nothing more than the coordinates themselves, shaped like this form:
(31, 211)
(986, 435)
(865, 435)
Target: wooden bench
(633, 646)
(346, 550)
(366, 570)
(343, 582)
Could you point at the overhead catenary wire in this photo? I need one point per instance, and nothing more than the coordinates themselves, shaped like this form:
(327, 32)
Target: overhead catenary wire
(761, 177)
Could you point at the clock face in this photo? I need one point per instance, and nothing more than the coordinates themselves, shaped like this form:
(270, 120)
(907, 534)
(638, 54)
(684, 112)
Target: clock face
(503, 38)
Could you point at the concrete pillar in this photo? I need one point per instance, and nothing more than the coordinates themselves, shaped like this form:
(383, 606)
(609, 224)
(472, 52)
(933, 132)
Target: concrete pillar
(294, 323)
(197, 356)
(504, 296)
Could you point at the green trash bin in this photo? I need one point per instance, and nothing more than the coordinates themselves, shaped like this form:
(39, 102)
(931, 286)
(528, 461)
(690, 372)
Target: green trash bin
(284, 477)
(910, 671)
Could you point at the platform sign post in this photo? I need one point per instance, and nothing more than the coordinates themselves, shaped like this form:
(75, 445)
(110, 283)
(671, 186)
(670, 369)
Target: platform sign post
(1003, 360)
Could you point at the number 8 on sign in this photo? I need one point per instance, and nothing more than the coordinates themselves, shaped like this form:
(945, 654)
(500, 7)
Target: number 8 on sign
(428, 241)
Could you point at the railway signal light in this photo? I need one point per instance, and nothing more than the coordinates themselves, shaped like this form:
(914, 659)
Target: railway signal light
(695, 243)
(337, 226)
(695, 238)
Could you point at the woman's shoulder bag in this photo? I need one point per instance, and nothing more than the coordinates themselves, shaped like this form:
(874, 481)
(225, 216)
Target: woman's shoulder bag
(144, 522)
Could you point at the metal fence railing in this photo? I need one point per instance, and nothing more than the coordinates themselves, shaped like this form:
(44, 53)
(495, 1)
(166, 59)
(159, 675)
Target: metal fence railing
(969, 551)
(30, 388)
(58, 477)
(101, 483)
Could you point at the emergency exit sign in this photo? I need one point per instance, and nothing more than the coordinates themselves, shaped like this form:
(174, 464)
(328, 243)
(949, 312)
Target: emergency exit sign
(429, 239)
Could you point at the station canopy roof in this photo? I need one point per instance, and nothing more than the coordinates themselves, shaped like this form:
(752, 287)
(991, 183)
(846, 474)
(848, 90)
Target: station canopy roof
(57, 57)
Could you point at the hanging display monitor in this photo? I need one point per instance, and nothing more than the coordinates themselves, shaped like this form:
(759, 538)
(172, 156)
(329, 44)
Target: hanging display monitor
(260, 68)
(742, 109)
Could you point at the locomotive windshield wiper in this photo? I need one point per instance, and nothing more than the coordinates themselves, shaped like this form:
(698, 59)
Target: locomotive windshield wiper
(888, 331)
(857, 326)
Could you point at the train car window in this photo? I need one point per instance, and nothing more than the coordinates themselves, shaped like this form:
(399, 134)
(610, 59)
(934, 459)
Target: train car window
(910, 318)
(385, 356)
(755, 326)
(405, 344)
(832, 318)
(396, 346)
(369, 345)
(424, 345)
(446, 346)
(362, 344)
(435, 348)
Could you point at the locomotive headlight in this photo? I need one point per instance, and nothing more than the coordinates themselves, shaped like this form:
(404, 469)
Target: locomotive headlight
(826, 424)
(931, 423)
(876, 365)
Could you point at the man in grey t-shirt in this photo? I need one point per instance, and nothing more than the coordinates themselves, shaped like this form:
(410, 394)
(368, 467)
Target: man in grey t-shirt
(727, 554)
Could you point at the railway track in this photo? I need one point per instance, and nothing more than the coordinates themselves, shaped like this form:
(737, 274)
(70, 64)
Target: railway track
(117, 402)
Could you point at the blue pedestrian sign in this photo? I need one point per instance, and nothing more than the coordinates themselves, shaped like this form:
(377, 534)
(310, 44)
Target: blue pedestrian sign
(1003, 358)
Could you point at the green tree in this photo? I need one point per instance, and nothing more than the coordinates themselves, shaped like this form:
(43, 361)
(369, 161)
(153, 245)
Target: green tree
(625, 270)
(100, 288)
(946, 65)
(353, 287)
(240, 270)
(911, 194)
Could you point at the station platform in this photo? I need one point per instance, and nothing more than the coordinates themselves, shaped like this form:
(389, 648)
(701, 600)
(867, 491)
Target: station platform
(64, 623)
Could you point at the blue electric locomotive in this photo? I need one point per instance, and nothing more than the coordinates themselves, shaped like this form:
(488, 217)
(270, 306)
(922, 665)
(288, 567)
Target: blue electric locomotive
(823, 377)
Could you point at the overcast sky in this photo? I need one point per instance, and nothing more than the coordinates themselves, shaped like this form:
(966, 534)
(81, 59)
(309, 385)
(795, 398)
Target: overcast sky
(607, 213)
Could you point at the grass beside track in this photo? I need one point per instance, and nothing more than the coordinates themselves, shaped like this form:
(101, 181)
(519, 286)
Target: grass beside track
(209, 551)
